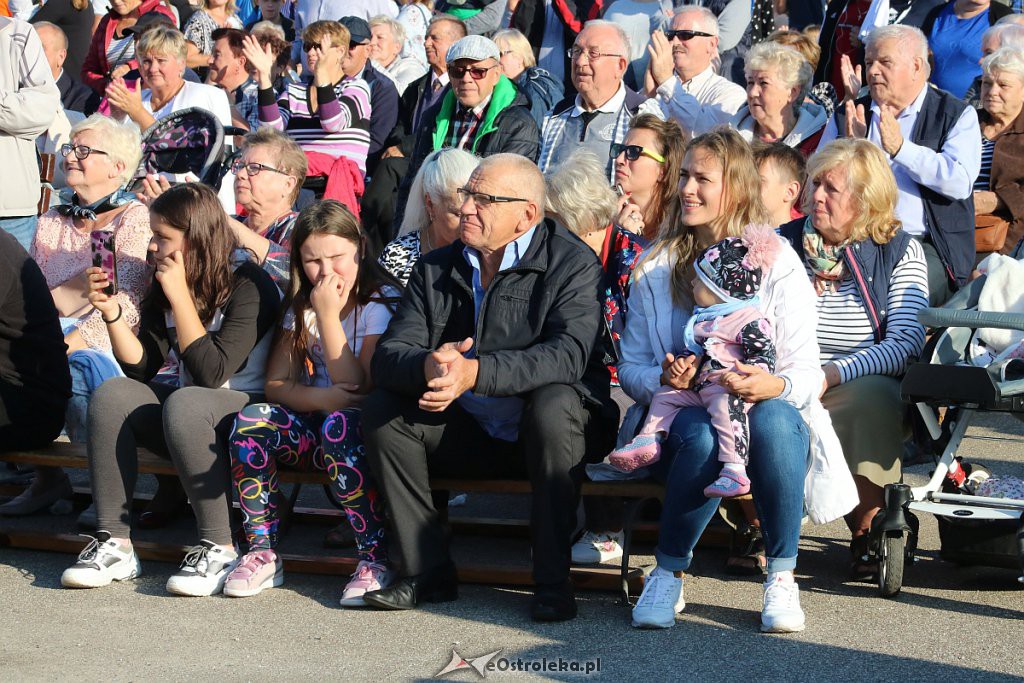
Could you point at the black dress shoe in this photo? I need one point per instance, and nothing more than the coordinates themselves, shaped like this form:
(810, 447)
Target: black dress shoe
(554, 602)
(436, 585)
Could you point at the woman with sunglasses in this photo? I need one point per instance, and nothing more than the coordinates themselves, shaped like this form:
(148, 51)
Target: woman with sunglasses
(328, 115)
(99, 161)
(646, 167)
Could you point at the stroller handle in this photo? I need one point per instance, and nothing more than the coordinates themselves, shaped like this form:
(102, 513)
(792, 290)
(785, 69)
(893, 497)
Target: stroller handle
(944, 317)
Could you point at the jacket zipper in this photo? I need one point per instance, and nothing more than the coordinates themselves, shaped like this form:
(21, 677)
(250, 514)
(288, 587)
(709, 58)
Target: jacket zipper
(866, 295)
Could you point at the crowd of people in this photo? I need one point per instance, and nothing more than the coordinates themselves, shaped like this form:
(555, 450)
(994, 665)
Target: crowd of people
(533, 239)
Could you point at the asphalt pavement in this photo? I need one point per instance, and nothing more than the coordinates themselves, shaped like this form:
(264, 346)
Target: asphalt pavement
(949, 622)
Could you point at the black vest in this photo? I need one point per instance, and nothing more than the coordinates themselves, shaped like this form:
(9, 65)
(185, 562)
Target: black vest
(950, 222)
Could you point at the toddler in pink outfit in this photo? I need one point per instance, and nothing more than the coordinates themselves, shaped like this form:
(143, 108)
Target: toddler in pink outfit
(726, 327)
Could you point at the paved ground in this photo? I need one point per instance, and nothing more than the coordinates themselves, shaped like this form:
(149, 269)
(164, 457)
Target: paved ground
(949, 623)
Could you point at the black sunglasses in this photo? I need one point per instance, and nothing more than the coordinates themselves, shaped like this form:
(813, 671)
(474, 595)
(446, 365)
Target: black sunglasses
(633, 152)
(475, 72)
(306, 47)
(686, 34)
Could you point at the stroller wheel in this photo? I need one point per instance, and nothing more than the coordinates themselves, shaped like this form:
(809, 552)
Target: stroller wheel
(891, 554)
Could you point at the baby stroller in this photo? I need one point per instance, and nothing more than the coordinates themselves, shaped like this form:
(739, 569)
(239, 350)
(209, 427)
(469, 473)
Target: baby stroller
(191, 141)
(973, 529)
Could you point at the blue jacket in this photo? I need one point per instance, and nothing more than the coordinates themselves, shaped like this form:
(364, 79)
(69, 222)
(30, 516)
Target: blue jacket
(542, 91)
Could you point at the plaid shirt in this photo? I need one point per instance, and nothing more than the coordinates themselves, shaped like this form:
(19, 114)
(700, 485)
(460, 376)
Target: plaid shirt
(465, 124)
(551, 134)
(246, 100)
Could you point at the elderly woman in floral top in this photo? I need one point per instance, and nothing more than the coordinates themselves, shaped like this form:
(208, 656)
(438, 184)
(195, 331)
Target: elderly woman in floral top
(100, 159)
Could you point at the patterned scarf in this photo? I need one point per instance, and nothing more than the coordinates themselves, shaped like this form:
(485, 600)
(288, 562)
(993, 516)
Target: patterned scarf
(826, 261)
(71, 207)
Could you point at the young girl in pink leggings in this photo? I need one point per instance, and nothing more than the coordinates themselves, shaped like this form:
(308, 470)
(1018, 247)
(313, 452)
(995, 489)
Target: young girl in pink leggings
(726, 328)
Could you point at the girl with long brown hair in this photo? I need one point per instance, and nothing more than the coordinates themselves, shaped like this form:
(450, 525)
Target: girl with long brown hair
(341, 301)
(209, 320)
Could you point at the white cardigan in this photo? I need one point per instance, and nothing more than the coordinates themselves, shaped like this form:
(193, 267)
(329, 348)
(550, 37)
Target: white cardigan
(788, 302)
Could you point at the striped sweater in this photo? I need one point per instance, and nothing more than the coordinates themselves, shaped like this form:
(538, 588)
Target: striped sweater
(845, 334)
(341, 126)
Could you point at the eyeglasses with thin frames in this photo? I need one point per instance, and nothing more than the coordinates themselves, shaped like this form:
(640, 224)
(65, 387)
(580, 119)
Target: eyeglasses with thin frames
(456, 73)
(686, 34)
(482, 198)
(574, 53)
(253, 168)
(81, 151)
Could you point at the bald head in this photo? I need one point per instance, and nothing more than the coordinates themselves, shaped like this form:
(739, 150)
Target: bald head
(55, 45)
(518, 174)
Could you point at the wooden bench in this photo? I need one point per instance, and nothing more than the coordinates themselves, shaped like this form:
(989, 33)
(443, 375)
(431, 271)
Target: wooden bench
(635, 494)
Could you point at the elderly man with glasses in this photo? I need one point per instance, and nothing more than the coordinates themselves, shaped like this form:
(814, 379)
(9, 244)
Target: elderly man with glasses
(681, 75)
(490, 369)
(599, 114)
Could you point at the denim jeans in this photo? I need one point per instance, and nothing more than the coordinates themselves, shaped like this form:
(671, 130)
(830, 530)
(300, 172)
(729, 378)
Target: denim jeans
(779, 444)
(22, 228)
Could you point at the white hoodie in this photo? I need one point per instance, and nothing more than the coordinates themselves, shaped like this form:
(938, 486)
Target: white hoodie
(811, 119)
(29, 101)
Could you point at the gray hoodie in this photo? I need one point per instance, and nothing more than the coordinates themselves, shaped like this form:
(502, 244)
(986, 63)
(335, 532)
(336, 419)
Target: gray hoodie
(29, 101)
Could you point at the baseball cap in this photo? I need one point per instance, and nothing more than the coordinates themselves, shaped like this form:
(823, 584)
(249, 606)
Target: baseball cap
(474, 48)
(358, 30)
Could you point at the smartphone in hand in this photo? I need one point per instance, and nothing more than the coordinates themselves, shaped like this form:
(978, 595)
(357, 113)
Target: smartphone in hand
(103, 256)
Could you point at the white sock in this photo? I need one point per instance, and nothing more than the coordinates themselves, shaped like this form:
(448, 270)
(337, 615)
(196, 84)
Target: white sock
(784, 577)
(735, 467)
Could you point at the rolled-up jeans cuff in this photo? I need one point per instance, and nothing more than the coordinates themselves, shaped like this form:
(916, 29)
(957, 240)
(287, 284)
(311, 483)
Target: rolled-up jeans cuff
(781, 564)
(676, 564)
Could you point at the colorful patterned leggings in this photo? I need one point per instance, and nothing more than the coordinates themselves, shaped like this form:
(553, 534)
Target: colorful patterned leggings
(267, 435)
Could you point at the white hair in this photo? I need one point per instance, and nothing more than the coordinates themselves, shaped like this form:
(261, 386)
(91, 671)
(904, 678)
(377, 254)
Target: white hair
(619, 31)
(793, 70)
(708, 22)
(1011, 35)
(910, 38)
(1005, 60)
(578, 191)
(121, 141)
(1011, 19)
(397, 30)
(442, 172)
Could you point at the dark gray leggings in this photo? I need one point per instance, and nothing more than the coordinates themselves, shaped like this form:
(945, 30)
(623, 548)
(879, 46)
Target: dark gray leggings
(189, 426)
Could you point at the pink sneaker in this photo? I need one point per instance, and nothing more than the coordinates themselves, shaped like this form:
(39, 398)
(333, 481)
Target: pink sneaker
(642, 450)
(257, 570)
(367, 577)
(728, 485)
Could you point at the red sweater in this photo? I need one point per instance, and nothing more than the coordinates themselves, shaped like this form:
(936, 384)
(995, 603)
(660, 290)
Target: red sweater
(96, 68)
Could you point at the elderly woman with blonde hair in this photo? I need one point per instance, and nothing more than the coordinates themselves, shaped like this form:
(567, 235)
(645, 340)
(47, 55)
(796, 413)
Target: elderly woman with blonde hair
(520, 66)
(578, 197)
(871, 280)
(99, 161)
(431, 218)
(778, 81)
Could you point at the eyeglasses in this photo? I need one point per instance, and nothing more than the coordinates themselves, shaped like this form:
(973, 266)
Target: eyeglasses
(482, 198)
(686, 34)
(252, 168)
(306, 47)
(633, 152)
(574, 53)
(475, 72)
(81, 151)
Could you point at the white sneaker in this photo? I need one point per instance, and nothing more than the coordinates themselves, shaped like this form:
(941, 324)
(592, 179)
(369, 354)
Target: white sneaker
(204, 570)
(367, 577)
(596, 547)
(101, 562)
(660, 602)
(781, 612)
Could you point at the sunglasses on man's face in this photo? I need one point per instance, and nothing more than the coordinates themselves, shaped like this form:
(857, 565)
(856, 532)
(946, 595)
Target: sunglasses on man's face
(475, 72)
(685, 34)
